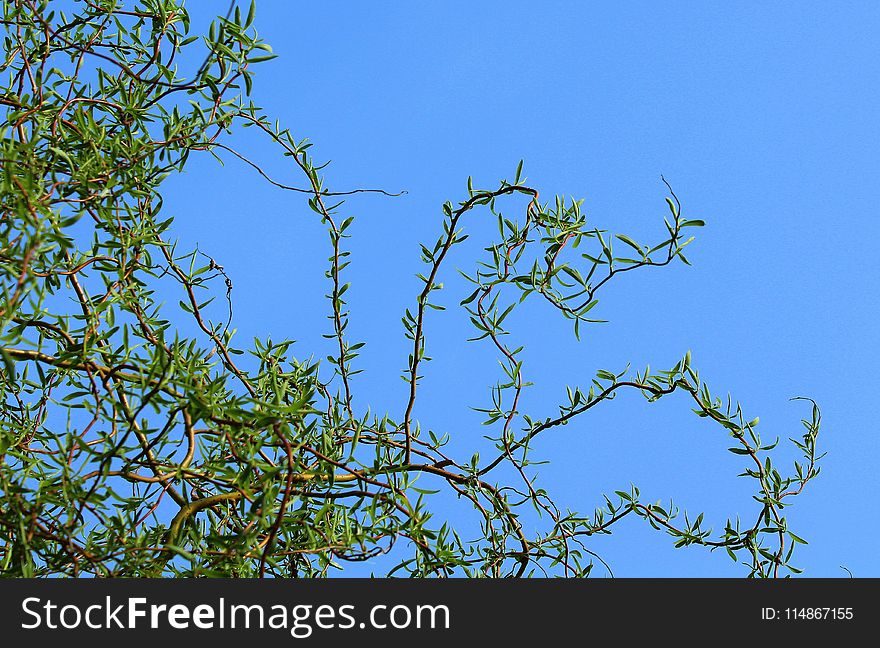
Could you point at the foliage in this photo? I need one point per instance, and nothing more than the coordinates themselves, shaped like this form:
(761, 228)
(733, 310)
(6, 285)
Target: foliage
(129, 448)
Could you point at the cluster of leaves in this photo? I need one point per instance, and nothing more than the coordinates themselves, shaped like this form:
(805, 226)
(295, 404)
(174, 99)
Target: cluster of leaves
(128, 448)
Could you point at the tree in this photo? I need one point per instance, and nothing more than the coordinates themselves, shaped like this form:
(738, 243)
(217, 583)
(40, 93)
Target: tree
(129, 448)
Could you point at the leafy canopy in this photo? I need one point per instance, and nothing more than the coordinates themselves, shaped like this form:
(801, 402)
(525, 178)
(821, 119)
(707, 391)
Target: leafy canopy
(140, 438)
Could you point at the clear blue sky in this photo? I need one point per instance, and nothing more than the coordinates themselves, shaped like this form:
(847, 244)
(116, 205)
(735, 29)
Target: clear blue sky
(764, 118)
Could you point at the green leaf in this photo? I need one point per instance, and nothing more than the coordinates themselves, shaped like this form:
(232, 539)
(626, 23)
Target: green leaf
(8, 365)
(470, 298)
(635, 246)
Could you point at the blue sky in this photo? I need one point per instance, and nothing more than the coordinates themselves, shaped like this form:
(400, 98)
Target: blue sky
(763, 116)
